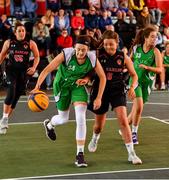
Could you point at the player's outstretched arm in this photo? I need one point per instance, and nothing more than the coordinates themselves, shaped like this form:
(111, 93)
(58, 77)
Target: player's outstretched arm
(49, 68)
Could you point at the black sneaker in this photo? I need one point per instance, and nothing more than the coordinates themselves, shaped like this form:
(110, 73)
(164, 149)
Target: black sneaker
(80, 162)
(50, 133)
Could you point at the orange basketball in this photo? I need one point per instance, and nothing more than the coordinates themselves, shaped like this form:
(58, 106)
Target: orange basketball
(38, 101)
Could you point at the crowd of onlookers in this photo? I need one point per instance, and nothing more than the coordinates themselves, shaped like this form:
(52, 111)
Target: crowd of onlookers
(64, 20)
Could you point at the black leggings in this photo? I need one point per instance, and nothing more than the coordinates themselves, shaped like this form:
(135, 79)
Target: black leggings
(16, 84)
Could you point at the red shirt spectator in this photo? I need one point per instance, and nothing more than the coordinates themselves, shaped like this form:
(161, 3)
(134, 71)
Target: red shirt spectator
(151, 4)
(77, 21)
(165, 20)
(64, 40)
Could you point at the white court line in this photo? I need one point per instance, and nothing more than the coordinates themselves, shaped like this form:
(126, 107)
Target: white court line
(163, 121)
(71, 120)
(91, 173)
(128, 102)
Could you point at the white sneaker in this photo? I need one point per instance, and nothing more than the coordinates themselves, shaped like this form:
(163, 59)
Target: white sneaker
(3, 125)
(163, 87)
(3, 131)
(134, 158)
(92, 145)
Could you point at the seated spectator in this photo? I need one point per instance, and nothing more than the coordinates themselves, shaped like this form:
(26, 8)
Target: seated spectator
(104, 21)
(123, 6)
(75, 34)
(77, 21)
(67, 6)
(61, 22)
(95, 3)
(144, 19)
(154, 10)
(165, 35)
(5, 28)
(136, 6)
(165, 55)
(95, 38)
(165, 20)
(64, 40)
(48, 19)
(80, 4)
(159, 41)
(91, 20)
(30, 9)
(42, 37)
(113, 7)
(53, 5)
(17, 9)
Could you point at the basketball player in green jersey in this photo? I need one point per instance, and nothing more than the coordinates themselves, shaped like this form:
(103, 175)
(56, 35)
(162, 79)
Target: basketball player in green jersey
(165, 68)
(147, 61)
(73, 65)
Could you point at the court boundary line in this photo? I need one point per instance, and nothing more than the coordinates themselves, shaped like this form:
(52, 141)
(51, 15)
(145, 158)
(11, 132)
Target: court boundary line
(91, 173)
(72, 120)
(53, 101)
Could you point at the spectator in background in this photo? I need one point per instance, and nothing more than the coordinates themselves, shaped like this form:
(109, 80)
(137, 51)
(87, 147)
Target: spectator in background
(53, 5)
(30, 9)
(61, 22)
(42, 37)
(95, 3)
(17, 9)
(154, 10)
(165, 67)
(123, 6)
(80, 4)
(5, 28)
(91, 20)
(67, 6)
(75, 34)
(159, 42)
(166, 35)
(165, 20)
(113, 7)
(144, 19)
(104, 21)
(64, 40)
(48, 19)
(136, 6)
(77, 21)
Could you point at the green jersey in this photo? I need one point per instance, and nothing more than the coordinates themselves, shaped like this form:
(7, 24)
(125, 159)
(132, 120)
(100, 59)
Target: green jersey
(166, 59)
(70, 71)
(148, 59)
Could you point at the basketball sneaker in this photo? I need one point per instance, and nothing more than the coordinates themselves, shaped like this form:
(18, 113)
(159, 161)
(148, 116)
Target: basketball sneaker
(80, 162)
(134, 137)
(50, 133)
(134, 158)
(3, 125)
(92, 147)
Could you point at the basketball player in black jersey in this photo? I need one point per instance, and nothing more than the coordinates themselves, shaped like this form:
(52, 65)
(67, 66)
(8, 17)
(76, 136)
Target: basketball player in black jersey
(113, 63)
(16, 53)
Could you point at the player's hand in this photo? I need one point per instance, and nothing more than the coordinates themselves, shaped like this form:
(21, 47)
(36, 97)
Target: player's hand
(143, 66)
(131, 93)
(37, 87)
(31, 71)
(81, 82)
(96, 103)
